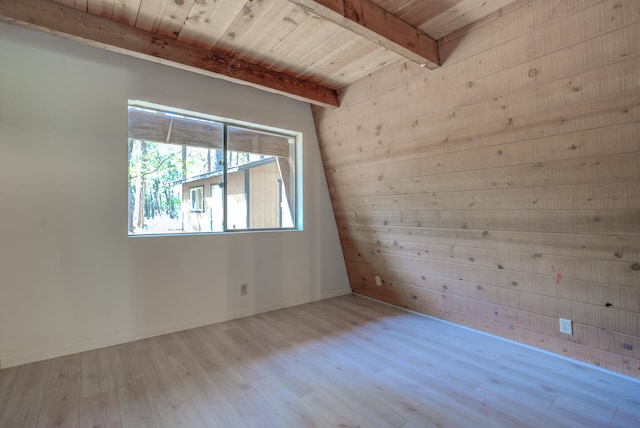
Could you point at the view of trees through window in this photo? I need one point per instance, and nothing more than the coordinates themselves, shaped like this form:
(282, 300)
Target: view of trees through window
(180, 180)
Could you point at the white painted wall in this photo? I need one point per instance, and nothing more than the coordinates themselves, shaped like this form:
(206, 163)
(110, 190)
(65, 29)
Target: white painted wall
(70, 278)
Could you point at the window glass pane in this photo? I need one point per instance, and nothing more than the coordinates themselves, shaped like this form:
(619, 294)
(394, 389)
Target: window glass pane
(172, 159)
(260, 179)
(196, 199)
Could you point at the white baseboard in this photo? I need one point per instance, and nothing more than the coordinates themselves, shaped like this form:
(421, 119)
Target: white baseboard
(73, 348)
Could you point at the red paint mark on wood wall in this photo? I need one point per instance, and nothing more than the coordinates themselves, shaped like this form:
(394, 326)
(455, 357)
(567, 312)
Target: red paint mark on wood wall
(557, 275)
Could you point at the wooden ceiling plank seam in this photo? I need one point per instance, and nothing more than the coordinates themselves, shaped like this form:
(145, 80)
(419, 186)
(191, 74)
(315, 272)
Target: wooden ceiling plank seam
(82, 5)
(305, 27)
(78, 4)
(197, 22)
(126, 11)
(57, 19)
(284, 23)
(241, 26)
(343, 51)
(395, 6)
(174, 17)
(379, 26)
(206, 26)
(296, 53)
(465, 13)
(150, 14)
(365, 64)
(347, 56)
(416, 14)
(395, 68)
(460, 32)
(265, 28)
(102, 8)
(363, 67)
(338, 43)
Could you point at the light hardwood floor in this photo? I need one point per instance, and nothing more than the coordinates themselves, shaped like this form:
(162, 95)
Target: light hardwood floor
(344, 362)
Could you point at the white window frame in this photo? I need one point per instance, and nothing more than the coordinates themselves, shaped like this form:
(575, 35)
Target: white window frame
(297, 182)
(198, 192)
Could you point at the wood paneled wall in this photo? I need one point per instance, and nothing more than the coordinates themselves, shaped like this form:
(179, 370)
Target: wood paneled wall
(502, 191)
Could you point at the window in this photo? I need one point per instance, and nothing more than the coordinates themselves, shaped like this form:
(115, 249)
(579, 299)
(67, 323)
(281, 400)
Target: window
(196, 196)
(194, 173)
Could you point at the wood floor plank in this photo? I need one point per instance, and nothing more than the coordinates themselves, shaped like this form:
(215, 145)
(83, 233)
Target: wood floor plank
(355, 388)
(604, 392)
(124, 364)
(61, 401)
(23, 412)
(169, 393)
(207, 397)
(289, 406)
(135, 402)
(628, 417)
(411, 397)
(346, 361)
(23, 394)
(137, 407)
(528, 402)
(578, 405)
(100, 410)
(335, 407)
(98, 399)
(96, 376)
(208, 355)
(245, 399)
(6, 379)
(236, 352)
(485, 408)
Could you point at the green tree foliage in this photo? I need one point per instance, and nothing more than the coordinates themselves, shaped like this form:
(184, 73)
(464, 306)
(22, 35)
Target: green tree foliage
(155, 170)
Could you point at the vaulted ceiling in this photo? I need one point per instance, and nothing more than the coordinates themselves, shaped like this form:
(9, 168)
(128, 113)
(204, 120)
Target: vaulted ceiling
(307, 49)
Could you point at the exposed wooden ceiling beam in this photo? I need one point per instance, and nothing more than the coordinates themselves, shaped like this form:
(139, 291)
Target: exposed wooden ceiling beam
(376, 24)
(70, 23)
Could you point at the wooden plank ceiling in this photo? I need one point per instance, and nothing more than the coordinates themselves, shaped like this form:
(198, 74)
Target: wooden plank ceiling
(303, 48)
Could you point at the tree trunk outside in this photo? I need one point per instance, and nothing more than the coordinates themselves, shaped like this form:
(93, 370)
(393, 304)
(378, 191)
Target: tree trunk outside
(184, 161)
(130, 199)
(139, 200)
